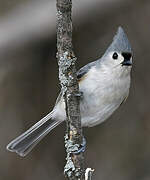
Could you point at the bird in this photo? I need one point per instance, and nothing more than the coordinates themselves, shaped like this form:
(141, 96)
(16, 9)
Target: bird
(105, 85)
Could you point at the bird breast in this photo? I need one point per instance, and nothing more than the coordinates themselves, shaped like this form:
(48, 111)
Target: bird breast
(103, 93)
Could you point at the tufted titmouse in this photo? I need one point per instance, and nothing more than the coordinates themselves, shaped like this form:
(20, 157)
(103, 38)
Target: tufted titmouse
(105, 85)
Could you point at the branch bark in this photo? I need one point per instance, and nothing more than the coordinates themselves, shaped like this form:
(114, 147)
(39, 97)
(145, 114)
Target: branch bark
(74, 168)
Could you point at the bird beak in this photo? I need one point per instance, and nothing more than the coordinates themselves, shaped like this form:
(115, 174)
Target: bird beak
(126, 63)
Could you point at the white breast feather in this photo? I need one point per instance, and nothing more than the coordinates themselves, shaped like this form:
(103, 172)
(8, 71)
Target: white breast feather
(103, 92)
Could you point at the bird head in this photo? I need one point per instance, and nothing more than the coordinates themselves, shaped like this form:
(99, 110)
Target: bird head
(119, 53)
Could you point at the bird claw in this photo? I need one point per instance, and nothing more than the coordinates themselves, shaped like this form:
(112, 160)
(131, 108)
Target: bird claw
(80, 94)
(82, 148)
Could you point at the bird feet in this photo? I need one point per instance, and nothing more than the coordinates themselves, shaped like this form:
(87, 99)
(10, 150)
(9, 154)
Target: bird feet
(82, 148)
(79, 95)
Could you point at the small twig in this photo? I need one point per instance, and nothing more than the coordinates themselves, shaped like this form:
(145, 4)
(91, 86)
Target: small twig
(89, 173)
(74, 168)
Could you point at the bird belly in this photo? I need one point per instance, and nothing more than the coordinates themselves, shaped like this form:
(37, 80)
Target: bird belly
(94, 114)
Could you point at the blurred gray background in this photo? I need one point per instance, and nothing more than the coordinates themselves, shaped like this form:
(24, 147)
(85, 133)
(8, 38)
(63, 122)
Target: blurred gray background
(118, 149)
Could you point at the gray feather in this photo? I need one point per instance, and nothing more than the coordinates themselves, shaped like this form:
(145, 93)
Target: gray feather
(120, 42)
(23, 144)
(84, 70)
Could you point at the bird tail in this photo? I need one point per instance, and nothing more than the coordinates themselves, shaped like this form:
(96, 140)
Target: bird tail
(23, 144)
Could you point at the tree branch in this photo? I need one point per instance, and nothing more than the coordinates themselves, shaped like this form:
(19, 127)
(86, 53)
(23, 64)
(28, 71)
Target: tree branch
(74, 168)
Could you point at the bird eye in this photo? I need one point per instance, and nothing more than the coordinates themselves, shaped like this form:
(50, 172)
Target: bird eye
(115, 55)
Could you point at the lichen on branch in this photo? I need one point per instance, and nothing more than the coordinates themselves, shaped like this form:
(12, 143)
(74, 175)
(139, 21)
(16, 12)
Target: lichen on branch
(74, 168)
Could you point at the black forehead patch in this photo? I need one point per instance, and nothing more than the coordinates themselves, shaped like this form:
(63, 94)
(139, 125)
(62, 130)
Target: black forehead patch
(126, 55)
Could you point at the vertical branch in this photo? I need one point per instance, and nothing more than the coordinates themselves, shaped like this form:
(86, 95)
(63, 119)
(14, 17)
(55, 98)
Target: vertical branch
(74, 168)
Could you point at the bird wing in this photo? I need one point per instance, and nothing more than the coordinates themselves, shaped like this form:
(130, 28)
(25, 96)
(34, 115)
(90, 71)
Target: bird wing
(84, 70)
(81, 74)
